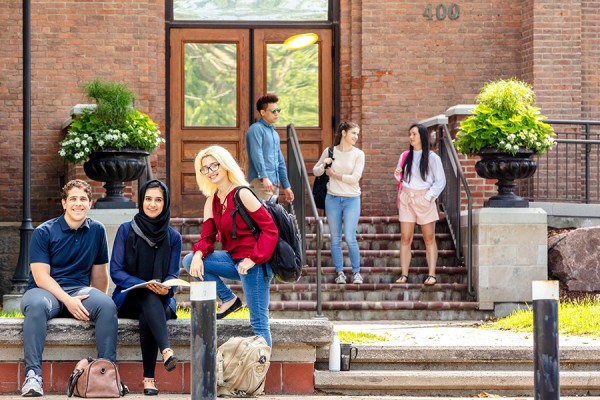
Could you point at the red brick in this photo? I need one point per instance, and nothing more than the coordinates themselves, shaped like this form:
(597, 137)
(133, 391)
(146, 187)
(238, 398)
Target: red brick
(298, 377)
(11, 379)
(274, 378)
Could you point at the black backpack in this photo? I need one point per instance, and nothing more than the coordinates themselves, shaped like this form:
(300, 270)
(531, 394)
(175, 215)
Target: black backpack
(286, 260)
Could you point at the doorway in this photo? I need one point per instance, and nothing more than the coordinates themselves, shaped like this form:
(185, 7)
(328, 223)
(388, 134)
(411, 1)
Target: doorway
(216, 77)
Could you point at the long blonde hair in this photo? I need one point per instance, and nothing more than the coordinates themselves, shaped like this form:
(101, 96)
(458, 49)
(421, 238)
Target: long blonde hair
(226, 161)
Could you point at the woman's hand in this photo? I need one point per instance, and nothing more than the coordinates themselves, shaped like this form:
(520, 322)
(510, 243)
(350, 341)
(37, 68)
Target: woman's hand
(156, 288)
(397, 171)
(197, 266)
(245, 265)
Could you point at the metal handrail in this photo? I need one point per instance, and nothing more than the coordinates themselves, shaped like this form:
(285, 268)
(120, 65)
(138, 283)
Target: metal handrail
(298, 177)
(453, 215)
(575, 140)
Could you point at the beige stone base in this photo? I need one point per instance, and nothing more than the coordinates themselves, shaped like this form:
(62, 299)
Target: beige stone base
(510, 250)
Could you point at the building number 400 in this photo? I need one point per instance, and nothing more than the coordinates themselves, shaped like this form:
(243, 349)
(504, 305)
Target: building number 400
(441, 12)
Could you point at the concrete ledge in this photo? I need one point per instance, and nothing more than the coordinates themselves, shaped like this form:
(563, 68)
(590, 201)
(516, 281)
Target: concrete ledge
(444, 382)
(465, 358)
(570, 215)
(292, 360)
(70, 339)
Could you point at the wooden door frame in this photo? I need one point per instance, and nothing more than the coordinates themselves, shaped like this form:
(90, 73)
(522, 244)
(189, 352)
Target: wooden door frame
(313, 140)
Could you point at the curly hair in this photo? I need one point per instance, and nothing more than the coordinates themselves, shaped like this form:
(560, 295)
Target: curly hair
(78, 183)
(262, 102)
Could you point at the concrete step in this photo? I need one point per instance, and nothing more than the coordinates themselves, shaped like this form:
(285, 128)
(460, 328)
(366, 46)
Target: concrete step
(384, 258)
(366, 292)
(417, 274)
(449, 383)
(385, 224)
(372, 357)
(366, 241)
(382, 241)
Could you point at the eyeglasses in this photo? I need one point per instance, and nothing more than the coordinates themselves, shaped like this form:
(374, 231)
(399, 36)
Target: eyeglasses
(210, 168)
(276, 110)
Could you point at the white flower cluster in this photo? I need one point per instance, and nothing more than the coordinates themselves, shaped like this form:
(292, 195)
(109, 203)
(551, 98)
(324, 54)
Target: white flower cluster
(86, 135)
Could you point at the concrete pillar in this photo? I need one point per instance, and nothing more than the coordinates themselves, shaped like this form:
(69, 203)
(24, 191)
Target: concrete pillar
(510, 250)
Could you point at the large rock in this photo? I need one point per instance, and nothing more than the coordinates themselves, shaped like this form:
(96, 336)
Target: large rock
(573, 258)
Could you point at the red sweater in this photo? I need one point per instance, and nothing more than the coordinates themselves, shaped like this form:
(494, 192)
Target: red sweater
(246, 245)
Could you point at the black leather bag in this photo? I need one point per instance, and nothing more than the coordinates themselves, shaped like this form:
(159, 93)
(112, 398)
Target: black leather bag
(319, 189)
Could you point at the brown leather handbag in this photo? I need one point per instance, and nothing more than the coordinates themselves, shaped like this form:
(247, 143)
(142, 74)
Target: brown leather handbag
(96, 378)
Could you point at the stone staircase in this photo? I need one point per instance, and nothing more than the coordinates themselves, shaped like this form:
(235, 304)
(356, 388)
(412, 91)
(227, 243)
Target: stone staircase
(378, 297)
(453, 371)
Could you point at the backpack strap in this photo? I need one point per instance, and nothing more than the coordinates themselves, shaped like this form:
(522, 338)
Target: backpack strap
(241, 209)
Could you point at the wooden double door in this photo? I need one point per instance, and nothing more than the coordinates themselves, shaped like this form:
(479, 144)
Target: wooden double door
(216, 76)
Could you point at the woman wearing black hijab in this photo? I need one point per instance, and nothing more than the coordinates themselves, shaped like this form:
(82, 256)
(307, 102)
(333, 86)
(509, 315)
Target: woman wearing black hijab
(145, 249)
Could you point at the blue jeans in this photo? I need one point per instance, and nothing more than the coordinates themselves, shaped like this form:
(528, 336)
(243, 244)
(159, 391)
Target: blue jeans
(256, 287)
(343, 210)
(39, 306)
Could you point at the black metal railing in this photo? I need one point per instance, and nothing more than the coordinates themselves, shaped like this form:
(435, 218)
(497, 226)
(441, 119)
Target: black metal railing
(569, 172)
(298, 177)
(451, 199)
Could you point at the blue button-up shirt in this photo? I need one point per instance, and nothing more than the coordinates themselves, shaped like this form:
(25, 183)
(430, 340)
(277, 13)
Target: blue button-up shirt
(264, 154)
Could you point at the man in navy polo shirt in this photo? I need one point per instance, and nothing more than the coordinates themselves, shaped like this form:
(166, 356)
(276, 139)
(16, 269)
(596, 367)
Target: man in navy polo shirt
(69, 278)
(266, 165)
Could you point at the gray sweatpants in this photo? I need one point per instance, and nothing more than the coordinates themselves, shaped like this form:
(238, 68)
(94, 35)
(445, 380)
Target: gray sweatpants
(39, 306)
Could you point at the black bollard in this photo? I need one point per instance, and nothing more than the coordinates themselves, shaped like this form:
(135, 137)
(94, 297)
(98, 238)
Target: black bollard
(204, 341)
(545, 340)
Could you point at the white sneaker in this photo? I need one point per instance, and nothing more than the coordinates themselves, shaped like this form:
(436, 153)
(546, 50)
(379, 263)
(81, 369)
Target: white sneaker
(357, 278)
(341, 278)
(32, 387)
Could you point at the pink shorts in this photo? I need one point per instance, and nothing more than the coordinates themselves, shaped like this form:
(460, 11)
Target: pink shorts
(415, 208)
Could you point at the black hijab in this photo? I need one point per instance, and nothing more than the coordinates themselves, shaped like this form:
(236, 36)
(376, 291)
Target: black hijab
(148, 248)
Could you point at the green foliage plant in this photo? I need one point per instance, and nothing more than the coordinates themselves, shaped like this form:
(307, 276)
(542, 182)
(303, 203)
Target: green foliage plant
(112, 124)
(505, 119)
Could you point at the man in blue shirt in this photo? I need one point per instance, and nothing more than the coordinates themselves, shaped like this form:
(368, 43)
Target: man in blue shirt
(266, 166)
(69, 278)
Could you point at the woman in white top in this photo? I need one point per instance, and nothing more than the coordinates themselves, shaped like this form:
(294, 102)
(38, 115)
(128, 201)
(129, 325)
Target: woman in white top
(342, 203)
(423, 180)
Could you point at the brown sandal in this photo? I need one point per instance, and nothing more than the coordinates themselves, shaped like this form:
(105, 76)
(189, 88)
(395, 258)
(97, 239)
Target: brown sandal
(403, 279)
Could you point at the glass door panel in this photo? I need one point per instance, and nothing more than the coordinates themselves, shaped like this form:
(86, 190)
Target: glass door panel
(210, 77)
(294, 76)
(209, 93)
(212, 101)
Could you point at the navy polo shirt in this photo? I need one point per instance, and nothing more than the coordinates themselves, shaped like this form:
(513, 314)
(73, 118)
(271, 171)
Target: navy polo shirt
(69, 252)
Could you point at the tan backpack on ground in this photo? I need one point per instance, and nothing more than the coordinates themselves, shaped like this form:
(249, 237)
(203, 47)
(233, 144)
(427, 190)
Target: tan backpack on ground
(242, 365)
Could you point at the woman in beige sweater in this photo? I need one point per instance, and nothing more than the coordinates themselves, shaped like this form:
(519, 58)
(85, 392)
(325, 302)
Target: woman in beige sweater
(342, 203)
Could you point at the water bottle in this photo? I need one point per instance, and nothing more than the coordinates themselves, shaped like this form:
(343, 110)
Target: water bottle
(334, 353)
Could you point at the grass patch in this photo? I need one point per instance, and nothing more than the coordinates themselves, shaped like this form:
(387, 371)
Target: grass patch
(14, 314)
(243, 313)
(360, 337)
(579, 317)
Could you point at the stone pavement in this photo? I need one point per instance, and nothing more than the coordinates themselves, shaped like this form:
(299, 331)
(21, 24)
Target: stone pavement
(452, 333)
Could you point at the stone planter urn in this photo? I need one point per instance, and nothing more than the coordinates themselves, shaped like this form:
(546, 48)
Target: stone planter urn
(505, 167)
(115, 167)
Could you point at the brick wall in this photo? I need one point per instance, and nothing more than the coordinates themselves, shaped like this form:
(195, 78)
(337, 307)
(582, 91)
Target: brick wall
(396, 67)
(71, 44)
(399, 68)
